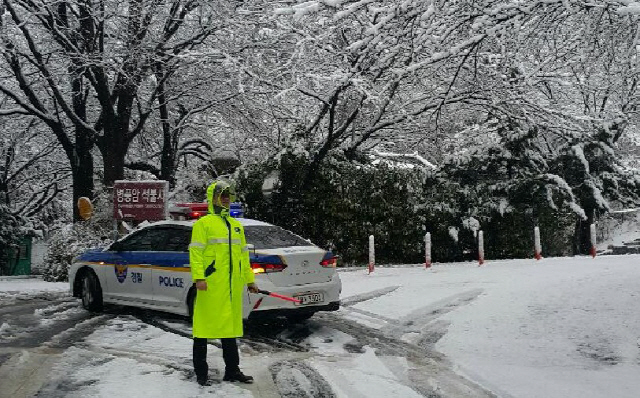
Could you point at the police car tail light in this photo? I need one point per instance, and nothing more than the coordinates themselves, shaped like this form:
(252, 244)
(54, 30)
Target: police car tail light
(261, 263)
(329, 260)
(195, 214)
(261, 268)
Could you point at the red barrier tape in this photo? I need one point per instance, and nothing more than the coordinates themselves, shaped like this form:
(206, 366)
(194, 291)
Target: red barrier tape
(281, 297)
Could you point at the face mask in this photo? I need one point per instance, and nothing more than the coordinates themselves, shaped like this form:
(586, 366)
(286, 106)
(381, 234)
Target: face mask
(220, 202)
(223, 188)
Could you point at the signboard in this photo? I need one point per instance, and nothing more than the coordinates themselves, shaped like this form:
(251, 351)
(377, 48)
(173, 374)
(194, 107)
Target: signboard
(140, 200)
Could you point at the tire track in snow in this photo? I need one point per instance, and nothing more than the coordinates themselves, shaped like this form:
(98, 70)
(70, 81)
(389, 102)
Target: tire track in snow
(173, 363)
(282, 341)
(35, 330)
(260, 336)
(33, 324)
(431, 373)
(358, 298)
(295, 379)
(78, 332)
(423, 326)
(24, 372)
(17, 301)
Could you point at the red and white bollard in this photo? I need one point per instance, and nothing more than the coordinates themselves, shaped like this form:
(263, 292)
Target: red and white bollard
(592, 250)
(536, 244)
(372, 253)
(427, 250)
(480, 248)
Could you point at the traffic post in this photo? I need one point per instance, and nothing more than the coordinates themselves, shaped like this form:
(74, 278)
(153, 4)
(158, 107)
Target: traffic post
(480, 248)
(536, 244)
(592, 249)
(372, 253)
(427, 250)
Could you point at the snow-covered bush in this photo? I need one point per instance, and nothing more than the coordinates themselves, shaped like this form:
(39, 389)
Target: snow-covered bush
(67, 243)
(505, 189)
(71, 239)
(10, 234)
(344, 204)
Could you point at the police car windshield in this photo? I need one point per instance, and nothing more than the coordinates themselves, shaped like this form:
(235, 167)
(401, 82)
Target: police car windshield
(272, 237)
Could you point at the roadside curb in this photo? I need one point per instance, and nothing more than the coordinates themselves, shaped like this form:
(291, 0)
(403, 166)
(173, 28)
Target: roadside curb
(12, 277)
(364, 267)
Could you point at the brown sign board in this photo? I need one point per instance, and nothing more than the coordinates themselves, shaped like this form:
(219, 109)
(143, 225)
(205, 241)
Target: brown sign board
(140, 200)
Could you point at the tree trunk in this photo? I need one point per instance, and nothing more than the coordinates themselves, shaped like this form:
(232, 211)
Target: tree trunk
(82, 161)
(582, 234)
(82, 182)
(82, 170)
(168, 162)
(169, 141)
(113, 157)
(113, 146)
(4, 176)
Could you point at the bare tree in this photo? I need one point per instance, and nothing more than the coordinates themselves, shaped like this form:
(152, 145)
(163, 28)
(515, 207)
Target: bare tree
(91, 67)
(31, 174)
(357, 74)
(351, 75)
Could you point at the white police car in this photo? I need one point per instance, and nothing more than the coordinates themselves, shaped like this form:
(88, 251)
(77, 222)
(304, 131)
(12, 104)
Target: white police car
(149, 268)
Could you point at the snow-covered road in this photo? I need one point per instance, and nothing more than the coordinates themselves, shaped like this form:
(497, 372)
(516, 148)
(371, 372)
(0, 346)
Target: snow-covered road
(565, 327)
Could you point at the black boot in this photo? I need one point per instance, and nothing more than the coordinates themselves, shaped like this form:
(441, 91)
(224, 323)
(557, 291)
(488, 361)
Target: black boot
(204, 382)
(200, 361)
(237, 375)
(231, 361)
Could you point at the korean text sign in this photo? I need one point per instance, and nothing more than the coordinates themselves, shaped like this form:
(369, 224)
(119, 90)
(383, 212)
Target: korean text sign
(140, 200)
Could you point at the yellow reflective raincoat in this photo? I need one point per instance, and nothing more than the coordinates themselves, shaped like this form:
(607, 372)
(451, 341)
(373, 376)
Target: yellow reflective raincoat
(218, 254)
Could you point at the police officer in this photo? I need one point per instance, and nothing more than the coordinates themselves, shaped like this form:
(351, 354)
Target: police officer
(220, 268)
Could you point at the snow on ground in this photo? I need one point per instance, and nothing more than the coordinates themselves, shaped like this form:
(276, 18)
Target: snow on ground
(559, 327)
(11, 286)
(366, 375)
(13, 289)
(126, 358)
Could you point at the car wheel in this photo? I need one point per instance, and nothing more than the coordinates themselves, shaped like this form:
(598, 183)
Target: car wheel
(299, 317)
(91, 293)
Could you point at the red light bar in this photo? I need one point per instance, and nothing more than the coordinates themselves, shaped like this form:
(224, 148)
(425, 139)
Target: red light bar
(200, 206)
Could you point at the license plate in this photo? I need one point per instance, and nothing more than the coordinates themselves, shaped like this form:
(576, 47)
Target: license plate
(310, 298)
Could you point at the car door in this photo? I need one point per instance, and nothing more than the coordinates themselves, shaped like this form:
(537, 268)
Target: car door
(171, 272)
(132, 279)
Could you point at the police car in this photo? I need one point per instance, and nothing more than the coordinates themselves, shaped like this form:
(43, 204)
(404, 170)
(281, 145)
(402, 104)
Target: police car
(149, 268)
